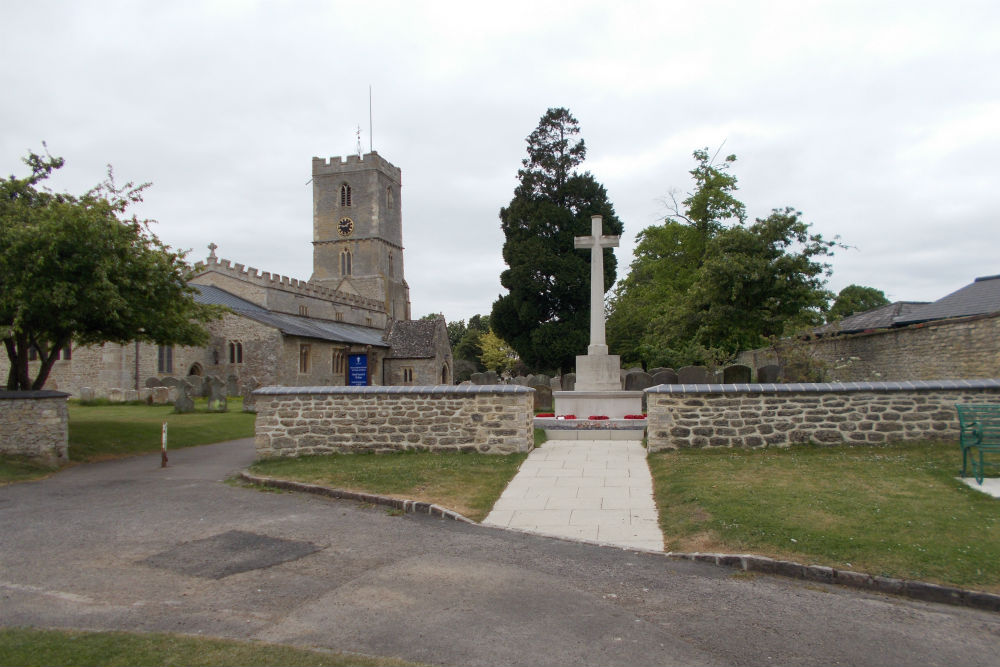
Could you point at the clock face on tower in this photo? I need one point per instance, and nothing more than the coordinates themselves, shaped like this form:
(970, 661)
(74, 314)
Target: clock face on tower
(345, 227)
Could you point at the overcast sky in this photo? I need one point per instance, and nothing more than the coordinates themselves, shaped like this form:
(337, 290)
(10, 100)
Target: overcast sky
(879, 121)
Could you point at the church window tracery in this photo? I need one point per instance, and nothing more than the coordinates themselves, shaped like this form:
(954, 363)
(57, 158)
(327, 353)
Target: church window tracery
(235, 352)
(345, 195)
(165, 359)
(345, 262)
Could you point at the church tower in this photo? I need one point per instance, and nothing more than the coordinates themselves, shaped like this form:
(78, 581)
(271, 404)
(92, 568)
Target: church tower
(358, 230)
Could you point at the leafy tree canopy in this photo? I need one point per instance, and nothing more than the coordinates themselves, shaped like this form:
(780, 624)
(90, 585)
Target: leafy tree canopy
(704, 284)
(78, 268)
(545, 314)
(496, 355)
(856, 299)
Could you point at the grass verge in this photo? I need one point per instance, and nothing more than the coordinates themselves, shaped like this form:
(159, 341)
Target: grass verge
(29, 647)
(22, 469)
(540, 437)
(99, 432)
(893, 510)
(468, 483)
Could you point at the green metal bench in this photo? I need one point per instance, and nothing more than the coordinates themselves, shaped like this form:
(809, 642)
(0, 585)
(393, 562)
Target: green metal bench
(980, 424)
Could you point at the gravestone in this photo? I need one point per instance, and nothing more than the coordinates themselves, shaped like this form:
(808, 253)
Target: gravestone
(183, 403)
(232, 386)
(168, 381)
(768, 374)
(521, 381)
(161, 395)
(131, 395)
(154, 382)
(216, 395)
(665, 376)
(194, 384)
(116, 395)
(569, 382)
(491, 377)
(555, 383)
(543, 398)
(86, 393)
(638, 380)
(478, 378)
(736, 374)
(654, 371)
(693, 375)
(249, 400)
(542, 378)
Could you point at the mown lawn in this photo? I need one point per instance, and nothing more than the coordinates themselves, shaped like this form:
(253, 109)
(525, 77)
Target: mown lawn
(468, 483)
(27, 647)
(893, 510)
(98, 432)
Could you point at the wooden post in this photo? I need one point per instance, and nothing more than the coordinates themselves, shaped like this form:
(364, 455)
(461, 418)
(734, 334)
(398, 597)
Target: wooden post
(163, 446)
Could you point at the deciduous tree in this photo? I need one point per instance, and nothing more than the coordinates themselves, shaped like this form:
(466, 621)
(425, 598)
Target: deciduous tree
(856, 299)
(80, 269)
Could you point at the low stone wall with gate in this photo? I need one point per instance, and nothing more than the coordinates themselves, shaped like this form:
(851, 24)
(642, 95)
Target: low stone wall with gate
(295, 421)
(757, 415)
(35, 424)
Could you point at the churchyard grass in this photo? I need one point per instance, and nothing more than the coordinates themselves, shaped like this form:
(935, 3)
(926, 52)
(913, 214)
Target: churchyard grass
(894, 510)
(67, 648)
(466, 482)
(19, 469)
(98, 432)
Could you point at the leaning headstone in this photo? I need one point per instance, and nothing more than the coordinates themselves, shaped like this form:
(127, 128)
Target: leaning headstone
(183, 402)
(154, 382)
(543, 398)
(654, 371)
(116, 395)
(86, 393)
(736, 374)
(131, 395)
(569, 382)
(638, 380)
(216, 395)
(161, 395)
(693, 375)
(232, 386)
(666, 376)
(768, 374)
(195, 385)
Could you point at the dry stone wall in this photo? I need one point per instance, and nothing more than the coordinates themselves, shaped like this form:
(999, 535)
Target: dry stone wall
(34, 424)
(295, 421)
(757, 415)
(959, 348)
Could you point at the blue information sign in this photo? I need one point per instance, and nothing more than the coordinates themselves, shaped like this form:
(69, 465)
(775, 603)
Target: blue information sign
(357, 370)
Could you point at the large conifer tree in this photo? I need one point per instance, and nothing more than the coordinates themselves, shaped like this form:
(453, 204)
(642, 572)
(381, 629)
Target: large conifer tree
(545, 315)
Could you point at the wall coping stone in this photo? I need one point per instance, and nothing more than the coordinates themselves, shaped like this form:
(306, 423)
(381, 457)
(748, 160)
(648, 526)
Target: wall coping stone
(822, 387)
(416, 389)
(32, 394)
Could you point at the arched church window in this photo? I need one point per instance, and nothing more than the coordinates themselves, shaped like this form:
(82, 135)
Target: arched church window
(345, 195)
(345, 262)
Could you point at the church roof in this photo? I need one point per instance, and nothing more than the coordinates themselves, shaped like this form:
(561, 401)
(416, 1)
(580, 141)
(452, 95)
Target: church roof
(292, 325)
(413, 339)
(980, 297)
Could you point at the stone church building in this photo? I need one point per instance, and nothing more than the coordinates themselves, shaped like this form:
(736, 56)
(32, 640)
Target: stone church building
(348, 324)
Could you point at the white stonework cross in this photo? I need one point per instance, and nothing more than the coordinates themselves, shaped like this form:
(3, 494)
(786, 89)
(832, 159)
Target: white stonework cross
(597, 242)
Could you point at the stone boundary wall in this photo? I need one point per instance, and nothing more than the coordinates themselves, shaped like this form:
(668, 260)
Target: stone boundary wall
(755, 415)
(956, 348)
(296, 421)
(35, 424)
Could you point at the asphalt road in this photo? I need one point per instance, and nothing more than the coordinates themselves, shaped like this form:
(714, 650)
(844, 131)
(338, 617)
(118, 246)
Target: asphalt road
(127, 545)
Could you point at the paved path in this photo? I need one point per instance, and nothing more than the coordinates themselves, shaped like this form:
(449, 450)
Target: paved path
(128, 545)
(597, 490)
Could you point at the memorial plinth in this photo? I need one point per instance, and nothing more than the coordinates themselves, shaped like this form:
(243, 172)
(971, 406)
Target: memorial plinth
(598, 374)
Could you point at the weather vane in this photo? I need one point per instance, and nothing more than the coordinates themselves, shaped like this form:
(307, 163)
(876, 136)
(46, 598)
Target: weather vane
(358, 133)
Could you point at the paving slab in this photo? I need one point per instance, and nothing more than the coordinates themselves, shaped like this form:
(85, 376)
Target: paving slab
(596, 490)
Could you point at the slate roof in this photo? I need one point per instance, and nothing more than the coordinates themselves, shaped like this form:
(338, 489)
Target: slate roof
(292, 325)
(882, 317)
(412, 339)
(978, 298)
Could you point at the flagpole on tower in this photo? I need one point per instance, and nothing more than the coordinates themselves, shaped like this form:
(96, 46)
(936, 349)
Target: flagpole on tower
(371, 136)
